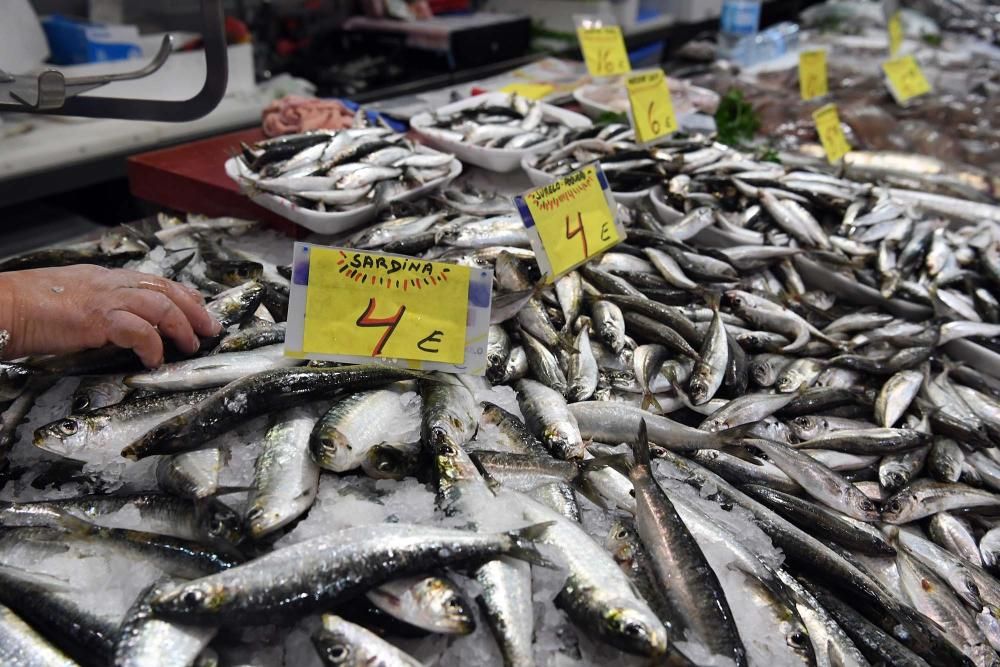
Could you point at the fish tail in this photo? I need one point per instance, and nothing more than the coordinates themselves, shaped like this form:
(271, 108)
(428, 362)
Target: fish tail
(649, 401)
(640, 447)
(523, 544)
(731, 442)
(567, 342)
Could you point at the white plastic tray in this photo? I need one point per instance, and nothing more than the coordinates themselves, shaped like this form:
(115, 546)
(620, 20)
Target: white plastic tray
(494, 159)
(331, 222)
(539, 177)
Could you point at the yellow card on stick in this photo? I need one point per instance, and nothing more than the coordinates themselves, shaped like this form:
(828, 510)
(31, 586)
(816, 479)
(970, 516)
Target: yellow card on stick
(831, 135)
(812, 74)
(652, 109)
(358, 306)
(570, 220)
(906, 79)
(604, 50)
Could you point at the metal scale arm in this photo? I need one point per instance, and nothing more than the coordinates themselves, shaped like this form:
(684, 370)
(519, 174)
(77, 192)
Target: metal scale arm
(52, 93)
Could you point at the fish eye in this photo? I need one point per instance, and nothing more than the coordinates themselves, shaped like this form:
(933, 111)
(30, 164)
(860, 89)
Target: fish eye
(867, 505)
(801, 421)
(68, 427)
(621, 534)
(193, 598)
(81, 403)
(798, 638)
(453, 603)
(384, 466)
(217, 527)
(449, 450)
(633, 630)
(893, 506)
(338, 653)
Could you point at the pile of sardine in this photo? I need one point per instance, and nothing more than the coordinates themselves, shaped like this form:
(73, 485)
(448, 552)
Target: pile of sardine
(516, 123)
(762, 430)
(338, 170)
(628, 167)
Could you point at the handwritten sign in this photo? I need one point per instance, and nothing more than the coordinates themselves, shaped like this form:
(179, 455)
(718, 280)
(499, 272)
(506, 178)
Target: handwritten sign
(895, 27)
(604, 50)
(812, 74)
(652, 109)
(831, 135)
(532, 91)
(349, 305)
(570, 220)
(906, 80)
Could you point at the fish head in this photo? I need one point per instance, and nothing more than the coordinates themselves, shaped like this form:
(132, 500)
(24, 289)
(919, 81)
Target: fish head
(219, 523)
(806, 427)
(698, 389)
(203, 596)
(797, 640)
(763, 373)
(72, 436)
(563, 443)
(336, 648)
(446, 610)
(900, 507)
(454, 465)
(788, 382)
(332, 450)
(635, 629)
(391, 461)
(865, 505)
(621, 542)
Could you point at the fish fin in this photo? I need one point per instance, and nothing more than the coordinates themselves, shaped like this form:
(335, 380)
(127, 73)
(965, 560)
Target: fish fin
(589, 491)
(491, 482)
(72, 523)
(606, 461)
(640, 447)
(649, 400)
(567, 342)
(524, 544)
(732, 436)
(226, 490)
(46, 581)
(741, 453)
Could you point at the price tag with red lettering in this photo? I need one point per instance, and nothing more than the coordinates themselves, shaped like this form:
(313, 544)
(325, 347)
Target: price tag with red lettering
(358, 306)
(652, 109)
(571, 220)
(603, 50)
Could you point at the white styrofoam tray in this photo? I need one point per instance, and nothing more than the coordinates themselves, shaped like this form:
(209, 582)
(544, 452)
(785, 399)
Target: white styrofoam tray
(494, 159)
(331, 222)
(539, 177)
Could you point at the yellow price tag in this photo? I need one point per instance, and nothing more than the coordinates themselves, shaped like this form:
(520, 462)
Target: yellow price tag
(533, 91)
(830, 133)
(812, 74)
(570, 220)
(604, 50)
(906, 80)
(369, 304)
(652, 109)
(895, 27)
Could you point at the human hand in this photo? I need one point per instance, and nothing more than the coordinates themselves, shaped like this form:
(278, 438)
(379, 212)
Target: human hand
(66, 309)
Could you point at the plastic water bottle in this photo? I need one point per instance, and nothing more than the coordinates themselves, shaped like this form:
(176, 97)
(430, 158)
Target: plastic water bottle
(740, 20)
(768, 44)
